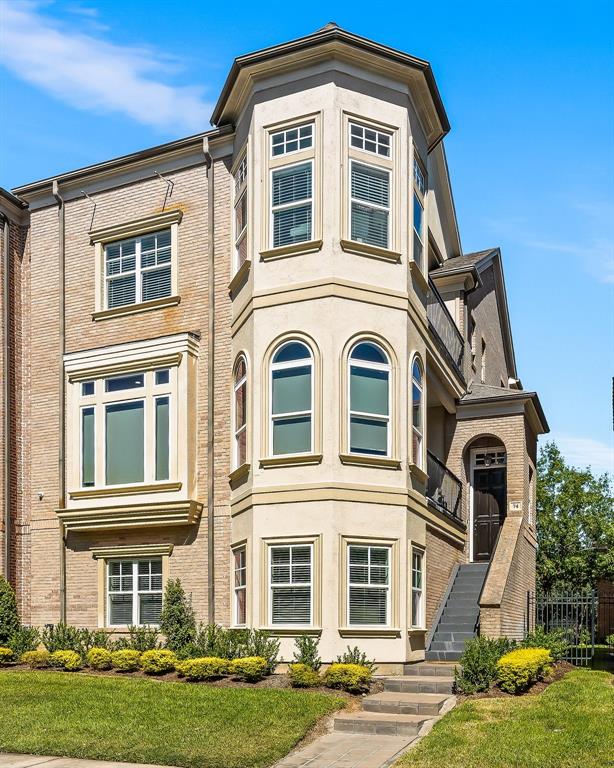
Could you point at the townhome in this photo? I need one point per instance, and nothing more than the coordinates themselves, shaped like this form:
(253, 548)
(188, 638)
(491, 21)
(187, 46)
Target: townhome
(258, 360)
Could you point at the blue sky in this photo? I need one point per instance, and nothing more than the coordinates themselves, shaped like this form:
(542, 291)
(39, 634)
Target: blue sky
(528, 87)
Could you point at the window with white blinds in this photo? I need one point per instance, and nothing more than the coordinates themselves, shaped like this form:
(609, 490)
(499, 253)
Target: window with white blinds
(134, 592)
(292, 204)
(417, 577)
(240, 586)
(290, 583)
(368, 585)
(369, 204)
(138, 269)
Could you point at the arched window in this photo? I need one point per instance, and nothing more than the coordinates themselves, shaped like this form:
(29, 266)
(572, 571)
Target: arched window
(417, 413)
(369, 398)
(291, 399)
(240, 412)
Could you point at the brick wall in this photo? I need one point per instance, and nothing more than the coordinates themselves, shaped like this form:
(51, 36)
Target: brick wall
(442, 555)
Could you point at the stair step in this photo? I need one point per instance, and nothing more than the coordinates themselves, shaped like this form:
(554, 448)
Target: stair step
(382, 723)
(443, 655)
(447, 645)
(448, 636)
(460, 612)
(422, 669)
(419, 683)
(398, 703)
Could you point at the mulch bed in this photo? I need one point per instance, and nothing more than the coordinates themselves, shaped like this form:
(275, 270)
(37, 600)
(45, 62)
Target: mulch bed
(560, 669)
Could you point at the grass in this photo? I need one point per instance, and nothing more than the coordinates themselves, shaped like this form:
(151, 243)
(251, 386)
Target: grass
(132, 720)
(566, 726)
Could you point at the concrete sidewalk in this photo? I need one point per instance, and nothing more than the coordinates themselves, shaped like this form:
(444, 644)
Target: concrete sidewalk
(40, 761)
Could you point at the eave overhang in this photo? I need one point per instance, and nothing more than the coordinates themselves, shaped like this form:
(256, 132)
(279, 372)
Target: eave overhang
(505, 405)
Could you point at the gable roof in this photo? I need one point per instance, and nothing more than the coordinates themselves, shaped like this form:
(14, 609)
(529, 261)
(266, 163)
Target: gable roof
(488, 393)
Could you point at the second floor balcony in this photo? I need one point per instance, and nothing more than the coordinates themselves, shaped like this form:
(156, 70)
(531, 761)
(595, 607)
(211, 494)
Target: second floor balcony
(447, 335)
(444, 488)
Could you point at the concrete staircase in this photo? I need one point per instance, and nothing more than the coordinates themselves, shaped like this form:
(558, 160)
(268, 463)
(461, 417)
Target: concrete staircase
(459, 617)
(406, 703)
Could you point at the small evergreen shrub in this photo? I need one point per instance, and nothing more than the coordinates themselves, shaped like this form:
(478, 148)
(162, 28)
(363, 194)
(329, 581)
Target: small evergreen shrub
(478, 664)
(251, 668)
(9, 617)
(23, 640)
(353, 678)
(213, 640)
(556, 641)
(100, 638)
(36, 659)
(260, 643)
(204, 668)
(99, 658)
(6, 654)
(63, 637)
(306, 653)
(69, 661)
(125, 660)
(177, 620)
(139, 639)
(303, 676)
(519, 669)
(356, 656)
(158, 661)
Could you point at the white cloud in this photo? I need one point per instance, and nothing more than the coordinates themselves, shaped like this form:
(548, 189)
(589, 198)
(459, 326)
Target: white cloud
(584, 451)
(89, 73)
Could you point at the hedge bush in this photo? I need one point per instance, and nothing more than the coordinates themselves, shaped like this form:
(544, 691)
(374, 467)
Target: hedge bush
(521, 668)
(177, 620)
(478, 664)
(353, 678)
(99, 658)
(356, 656)
(158, 662)
(9, 617)
(249, 668)
(6, 654)
(306, 653)
(556, 641)
(126, 660)
(139, 639)
(303, 676)
(23, 640)
(204, 668)
(36, 659)
(69, 661)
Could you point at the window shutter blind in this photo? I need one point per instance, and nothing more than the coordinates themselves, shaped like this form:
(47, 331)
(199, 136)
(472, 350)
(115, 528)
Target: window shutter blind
(121, 290)
(290, 578)
(368, 585)
(370, 187)
(156, 283)
(291, 186)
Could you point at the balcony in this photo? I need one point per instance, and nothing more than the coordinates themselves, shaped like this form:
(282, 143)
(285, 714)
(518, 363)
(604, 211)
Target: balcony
(444, 488)
(448, 337)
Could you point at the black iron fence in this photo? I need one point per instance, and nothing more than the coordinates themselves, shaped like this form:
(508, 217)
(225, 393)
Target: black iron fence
(441, 323)
(444, 488)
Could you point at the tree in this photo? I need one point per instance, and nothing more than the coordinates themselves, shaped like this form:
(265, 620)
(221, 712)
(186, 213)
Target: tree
(177, 620)
(9, 617)
(575, 524)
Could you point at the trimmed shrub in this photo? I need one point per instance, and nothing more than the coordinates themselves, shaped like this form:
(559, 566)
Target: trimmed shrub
(303, 676)
(356, 656)
(6, 654)
(306, 653)
(251, 668)
(478, 664)
(69, 661)
(99, 658)
(23, 640)
(204, 668)
(125, 660)
(9, 617)
(177, 620)
(556, 641)
(213, 640)
(353, 678)
(36, 659)
(158, 661)
(519, 669)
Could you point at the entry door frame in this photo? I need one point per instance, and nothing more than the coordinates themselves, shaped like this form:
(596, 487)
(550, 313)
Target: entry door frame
(472, 457)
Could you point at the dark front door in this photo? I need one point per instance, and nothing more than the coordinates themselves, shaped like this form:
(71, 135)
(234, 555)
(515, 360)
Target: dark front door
(488, 510)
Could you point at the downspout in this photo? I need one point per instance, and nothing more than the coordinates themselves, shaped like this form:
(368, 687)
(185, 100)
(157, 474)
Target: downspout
(62, 390)
(210, 385)
(6, 399)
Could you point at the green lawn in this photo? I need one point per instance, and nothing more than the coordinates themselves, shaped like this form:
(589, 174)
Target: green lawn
(137, 720)
(570, 724)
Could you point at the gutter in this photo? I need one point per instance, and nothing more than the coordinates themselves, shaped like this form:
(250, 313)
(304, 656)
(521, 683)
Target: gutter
(62, 388)
(210, 385)
(6, 395)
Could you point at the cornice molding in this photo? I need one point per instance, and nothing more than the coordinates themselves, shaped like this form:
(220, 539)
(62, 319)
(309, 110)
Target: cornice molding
(125, 490)
(133, 516)
(131, 550)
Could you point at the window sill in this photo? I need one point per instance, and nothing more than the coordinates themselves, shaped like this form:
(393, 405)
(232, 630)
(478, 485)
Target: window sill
(291, 461)
(296, 249)
(124, 490)
(240, 276)
(373, 251)
(418, 275)
(239, 473)
(293, 631)
(369, 632)
(418, 474)
(416, 631)
(379, 462)
(135, 309)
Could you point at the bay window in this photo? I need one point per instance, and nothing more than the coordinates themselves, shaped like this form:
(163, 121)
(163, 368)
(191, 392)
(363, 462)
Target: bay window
(291, 400)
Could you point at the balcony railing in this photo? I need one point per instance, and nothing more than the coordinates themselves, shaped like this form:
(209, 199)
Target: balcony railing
(444, 328)
(444, 488)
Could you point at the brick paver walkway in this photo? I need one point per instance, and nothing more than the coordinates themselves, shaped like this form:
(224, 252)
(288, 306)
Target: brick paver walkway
(346, 750)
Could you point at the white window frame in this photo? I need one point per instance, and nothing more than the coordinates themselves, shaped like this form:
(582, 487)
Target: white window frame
(135, 589)
(369, 546)
(241, 177)
(361, 414)
(293, 414)
(284, 132)
(418, 460)
(310, 584)
(287, 206)
(378, 133)
(483, 361)
(420, 623)
(357, 200)
(239, 430)
(239, 588)
(420, 188)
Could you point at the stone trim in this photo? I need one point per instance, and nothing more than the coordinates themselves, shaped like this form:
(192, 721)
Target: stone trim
(129, 517)
(132, 550)
(124, 490)
(135, 227)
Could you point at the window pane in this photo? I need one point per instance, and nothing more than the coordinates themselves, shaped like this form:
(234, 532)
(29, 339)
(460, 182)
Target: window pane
(125, 443)
(291, 605)
(369, 352)
(292, 225)
(370, 185)
(359, 555)
(162, 377)
(162, 443)
(417, 407)
(120, 609)
(292, 184)
(293, 350)
(418, 250)
(120, 291)
(368, 390)
(87, 447)
(242, 448)
(292, 435)
(157, 283)
(368, 436)
(280, 555)
(416, 609)
(292, 389)
(368, 605)
(369, 225)
(240, 405)
(136, 381)
(379, 555)
(150, 607)
(87, 388)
